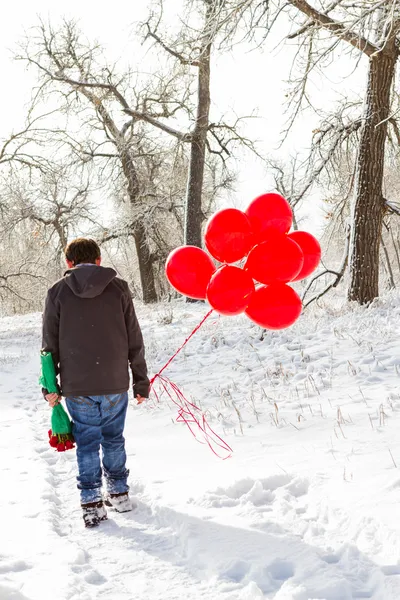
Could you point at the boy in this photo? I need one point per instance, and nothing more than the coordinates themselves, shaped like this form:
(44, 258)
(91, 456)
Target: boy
(91, 329)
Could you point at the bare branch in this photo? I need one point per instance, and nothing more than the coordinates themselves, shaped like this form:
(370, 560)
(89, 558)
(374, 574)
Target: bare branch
(338, 275)
(183, 60)
(396, 129)
(139, 116)
(339, 29)
(310, 24)
(392, 207)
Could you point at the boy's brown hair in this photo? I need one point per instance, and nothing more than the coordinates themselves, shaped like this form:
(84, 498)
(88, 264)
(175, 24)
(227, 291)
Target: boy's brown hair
(82, 250)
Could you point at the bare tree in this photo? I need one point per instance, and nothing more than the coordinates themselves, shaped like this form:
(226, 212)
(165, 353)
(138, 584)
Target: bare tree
(23, 274)
(164, 181)
(191, 51)
(370, 28)
(163, 178)
(336, 186)
(111, 120)
(54, 202)
(74, 70)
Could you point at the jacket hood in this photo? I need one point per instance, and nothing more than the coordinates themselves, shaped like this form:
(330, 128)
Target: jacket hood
(89, 281)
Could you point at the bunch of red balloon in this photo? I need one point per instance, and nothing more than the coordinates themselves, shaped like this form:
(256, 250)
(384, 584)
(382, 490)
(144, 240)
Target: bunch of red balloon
(273, 258)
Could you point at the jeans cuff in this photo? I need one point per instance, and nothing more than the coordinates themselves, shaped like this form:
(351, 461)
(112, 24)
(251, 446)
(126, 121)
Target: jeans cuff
(117, 484)
(93, 495)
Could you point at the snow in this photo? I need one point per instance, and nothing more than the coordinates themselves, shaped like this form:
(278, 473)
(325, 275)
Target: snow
(307, 507)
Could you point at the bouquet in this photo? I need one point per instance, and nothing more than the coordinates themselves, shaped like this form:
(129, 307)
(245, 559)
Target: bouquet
(60, 434)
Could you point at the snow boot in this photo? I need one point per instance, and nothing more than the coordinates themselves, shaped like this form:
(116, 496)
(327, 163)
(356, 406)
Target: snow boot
(94, 513)
(119, 502)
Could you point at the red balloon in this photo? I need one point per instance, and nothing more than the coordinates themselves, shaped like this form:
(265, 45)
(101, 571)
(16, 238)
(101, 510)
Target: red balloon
(279, 259)
(229, 290)
(228, 235)
(311, 250)
(189, 270)
(269, 213)
(274, 306)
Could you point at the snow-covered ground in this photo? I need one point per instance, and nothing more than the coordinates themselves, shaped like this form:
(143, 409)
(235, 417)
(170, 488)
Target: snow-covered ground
(307, 508)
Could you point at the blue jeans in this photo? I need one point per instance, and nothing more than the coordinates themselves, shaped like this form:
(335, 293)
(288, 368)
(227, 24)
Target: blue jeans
(99, 421)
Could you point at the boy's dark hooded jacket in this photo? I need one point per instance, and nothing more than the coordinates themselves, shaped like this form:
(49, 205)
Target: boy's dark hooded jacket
(91, 329)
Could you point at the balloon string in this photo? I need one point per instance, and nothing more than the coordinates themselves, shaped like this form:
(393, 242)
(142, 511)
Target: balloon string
(197, 425)
(189, 413)
(181, 347)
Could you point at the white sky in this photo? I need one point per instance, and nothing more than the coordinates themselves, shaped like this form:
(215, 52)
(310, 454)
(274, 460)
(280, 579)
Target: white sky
(241, 80)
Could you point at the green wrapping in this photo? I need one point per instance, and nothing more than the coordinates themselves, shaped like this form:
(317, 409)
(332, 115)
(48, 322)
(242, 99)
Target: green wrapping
(48, 377)
(60, 433)
(60, 422)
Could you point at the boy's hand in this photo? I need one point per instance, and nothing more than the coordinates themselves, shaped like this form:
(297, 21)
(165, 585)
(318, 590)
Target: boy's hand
(140, 399)
(53, 399)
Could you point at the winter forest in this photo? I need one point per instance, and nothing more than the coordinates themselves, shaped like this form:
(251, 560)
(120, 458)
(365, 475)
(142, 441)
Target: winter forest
(132, 124)
(137, 140)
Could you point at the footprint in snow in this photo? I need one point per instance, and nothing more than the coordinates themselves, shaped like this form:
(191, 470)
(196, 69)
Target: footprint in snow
(82, 557)
(81, 567)
(15, 566)
(42, 449)
(236, 571)
(267, 578)
(94, 578)
(330, 559)
(50, 480)
(281, 569)
(51, 496)
(298, 487)
(257, 492)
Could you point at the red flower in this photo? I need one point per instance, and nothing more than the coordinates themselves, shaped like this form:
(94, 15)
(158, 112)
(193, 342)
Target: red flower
(50, 433)
(53, 441)
(61, 447)
(69, 445)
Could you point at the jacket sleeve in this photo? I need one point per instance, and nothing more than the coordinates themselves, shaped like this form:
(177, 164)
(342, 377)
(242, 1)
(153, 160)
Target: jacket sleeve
(50, 331)
(136, 355)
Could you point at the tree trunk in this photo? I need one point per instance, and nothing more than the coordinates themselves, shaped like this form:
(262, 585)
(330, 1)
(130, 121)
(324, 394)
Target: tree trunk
(141, 243)
(294, 222)
(194, 214)
(129, 170)
(368, 208)
(145, 264)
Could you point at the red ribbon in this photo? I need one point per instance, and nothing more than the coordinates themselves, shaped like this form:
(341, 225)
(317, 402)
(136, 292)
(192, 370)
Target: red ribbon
(189, 413)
